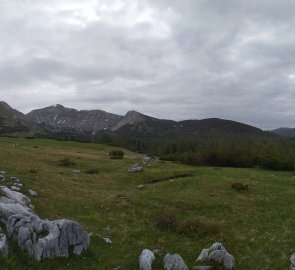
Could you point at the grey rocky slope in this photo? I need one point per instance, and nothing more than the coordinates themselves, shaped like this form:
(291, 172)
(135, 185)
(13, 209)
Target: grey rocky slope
(40, 238)
(61, 118)
(60, 122)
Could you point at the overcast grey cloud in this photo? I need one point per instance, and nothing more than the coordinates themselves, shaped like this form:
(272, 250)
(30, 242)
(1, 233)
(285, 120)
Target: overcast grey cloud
(187, 59)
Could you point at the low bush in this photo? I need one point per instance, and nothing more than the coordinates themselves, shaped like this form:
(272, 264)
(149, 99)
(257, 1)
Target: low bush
(66, 162)
(116, 154)
(239, 186)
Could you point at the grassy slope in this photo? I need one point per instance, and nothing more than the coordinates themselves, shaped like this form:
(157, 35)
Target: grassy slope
(256, 226)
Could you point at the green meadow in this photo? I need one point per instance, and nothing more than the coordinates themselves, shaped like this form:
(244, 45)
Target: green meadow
(180, 209)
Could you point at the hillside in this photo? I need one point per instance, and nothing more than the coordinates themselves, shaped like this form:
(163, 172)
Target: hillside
(286, 132)
(14, 122)
(110, 203)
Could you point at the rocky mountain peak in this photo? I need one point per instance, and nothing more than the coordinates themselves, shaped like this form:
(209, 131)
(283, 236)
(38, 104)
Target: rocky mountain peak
(131, 117)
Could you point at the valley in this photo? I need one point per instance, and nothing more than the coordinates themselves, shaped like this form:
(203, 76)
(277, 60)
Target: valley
(255, 225)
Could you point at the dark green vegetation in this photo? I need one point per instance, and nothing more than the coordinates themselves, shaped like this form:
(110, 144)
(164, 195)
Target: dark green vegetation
(256, 226)
(116, 154)
(215, 149)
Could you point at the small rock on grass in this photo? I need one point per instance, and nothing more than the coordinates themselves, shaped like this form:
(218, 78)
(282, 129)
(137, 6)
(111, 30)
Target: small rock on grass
(107, 240)
(32, 193)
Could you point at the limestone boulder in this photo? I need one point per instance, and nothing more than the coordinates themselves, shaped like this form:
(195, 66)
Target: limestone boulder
(146, 259)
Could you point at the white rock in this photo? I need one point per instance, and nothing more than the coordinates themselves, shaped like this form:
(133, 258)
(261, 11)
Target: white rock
(32, 192)
(18, 184)
(217, 253)
(174, 262)
(3, 245)
(292, 260)
(135, 168)
(55, 238)
(14, 188)
(146, 259)
(107, 240)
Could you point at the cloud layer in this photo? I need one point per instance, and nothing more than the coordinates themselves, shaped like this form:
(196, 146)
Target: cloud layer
(170, 59)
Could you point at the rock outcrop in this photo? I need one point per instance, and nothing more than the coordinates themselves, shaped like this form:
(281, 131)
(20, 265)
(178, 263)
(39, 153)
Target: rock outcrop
(217, 253)
(39, 238)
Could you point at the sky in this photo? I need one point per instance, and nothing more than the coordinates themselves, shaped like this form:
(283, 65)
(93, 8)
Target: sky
(188, 59)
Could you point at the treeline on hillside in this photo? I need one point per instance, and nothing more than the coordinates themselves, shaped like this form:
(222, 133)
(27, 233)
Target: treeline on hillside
(269, 152)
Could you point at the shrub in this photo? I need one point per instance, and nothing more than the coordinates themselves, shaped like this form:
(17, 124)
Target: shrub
(166, 222)
(116, 154)
(239, 186)
(67, 162)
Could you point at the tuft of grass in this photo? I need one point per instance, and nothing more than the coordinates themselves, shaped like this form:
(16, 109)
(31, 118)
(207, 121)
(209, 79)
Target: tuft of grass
(33, 171)
(92, 171)
(239, 186)
(166, 222)
(66, 162)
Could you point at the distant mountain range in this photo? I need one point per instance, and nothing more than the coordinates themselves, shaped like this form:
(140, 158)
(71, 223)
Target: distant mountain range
(58, 120)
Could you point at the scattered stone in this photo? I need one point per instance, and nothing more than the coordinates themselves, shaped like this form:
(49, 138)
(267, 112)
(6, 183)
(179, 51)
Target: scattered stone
(146, 159)
(146, 260)
(174, 262)
(107, 240)
(76, 171)
(2, 172)
(203, 267)
(15, 188)
(18, 184)
(3, 245)
(292, 260)
(135, 168)
(2, 177)
(217, 253)
(140, 186)
(41, 239)
(156, 251)
(32, 193)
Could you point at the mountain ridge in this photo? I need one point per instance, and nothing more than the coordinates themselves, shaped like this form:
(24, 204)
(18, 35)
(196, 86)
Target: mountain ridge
(58, 119)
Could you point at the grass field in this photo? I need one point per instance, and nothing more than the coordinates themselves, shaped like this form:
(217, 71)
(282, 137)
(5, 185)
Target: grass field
(257, 226)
